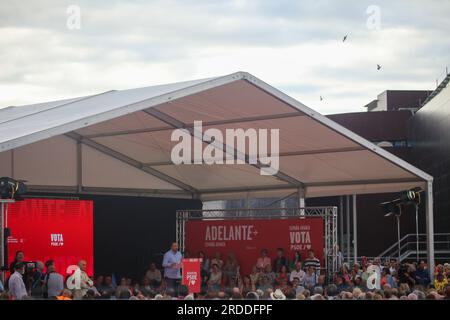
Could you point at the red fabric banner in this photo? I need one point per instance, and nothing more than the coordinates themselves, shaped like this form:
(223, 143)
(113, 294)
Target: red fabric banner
(191, 274)
(246, 238)
(61, 230)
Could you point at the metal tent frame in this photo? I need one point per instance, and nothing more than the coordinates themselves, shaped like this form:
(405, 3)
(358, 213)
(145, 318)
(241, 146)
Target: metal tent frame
(328, 214)
(84, 146)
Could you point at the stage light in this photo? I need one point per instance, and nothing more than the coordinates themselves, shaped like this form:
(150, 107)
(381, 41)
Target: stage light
(393, 208)
(12, 189)
(411, 196)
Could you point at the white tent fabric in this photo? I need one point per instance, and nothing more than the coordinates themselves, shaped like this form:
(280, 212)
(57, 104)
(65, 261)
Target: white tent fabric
(118, 142)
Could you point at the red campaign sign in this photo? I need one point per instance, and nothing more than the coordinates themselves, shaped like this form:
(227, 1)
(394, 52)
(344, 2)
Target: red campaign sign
(191, 274)
(246, 238)
(44, 229)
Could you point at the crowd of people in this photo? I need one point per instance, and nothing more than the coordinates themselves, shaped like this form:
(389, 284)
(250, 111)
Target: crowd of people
(272, 278)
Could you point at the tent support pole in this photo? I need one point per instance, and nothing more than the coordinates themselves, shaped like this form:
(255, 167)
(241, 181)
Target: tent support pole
(3, 212)
(79, 167)
(355, 231)
(2, 240)
(430, 227)
(347, 232)
(341, 223)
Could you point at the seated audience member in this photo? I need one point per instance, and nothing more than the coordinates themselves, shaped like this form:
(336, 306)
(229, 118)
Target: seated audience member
(268, 272)
(282, 284)
(421, 275)
(277, 295)
(341, 284)
(331, 291)
(154, 275)
(343, 272)
(53, 281)
(440, 282)
(438, 269)
(358, 283)
(356, 270)
(447, 270)
(297, 273)
(146, 288)
(230, 271)
(447, 293)
(297, 286)
(386, 278)
(282, 275)
(217, 260)
(406, 275)
(264, 260)
(108, 287)
(310, 278)
(264, 284)
(85, 284)
(296, 259)
(247, 285)
(122, 287)
(255, 275)
(280, 261)
(215, 278)
(252, 296)
(365, 274)
(98, 283)
(321, 280)
(236, 294)
(90, 295)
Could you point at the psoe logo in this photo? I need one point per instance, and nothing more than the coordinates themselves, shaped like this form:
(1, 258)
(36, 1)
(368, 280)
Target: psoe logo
(56, 240)
(197, 147)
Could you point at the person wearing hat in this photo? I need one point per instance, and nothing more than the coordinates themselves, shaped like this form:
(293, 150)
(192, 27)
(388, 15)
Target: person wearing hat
(252, 296)
(17, 288)
(277, 295)
(260, 293)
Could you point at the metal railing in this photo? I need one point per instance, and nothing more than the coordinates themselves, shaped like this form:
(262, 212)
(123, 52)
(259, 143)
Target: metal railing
(408, 248)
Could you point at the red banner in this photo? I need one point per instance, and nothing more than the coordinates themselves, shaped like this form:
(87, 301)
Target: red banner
(61, 230)
(191, 274)
(246, 238)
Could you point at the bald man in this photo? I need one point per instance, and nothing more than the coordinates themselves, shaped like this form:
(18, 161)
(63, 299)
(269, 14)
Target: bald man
(85, 282)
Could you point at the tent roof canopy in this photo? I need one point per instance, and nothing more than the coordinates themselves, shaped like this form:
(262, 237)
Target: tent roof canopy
(119, 142)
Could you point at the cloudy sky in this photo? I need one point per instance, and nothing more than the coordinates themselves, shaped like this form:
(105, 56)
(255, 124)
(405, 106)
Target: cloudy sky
(294, 45)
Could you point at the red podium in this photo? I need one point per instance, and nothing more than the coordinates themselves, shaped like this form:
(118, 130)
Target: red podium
(191, 274)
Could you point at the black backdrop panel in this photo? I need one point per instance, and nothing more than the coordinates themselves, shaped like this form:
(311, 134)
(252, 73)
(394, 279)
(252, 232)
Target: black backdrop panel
(131, 232)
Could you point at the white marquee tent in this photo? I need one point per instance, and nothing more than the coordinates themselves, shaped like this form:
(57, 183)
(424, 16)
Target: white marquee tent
(119, 142)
